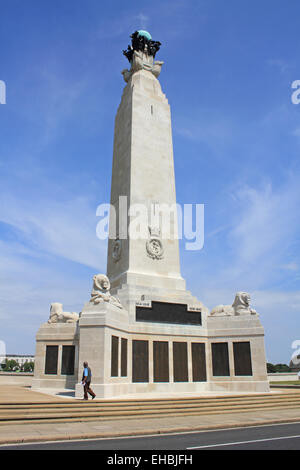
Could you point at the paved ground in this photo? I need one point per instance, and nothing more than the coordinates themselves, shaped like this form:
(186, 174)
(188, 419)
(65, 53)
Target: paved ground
(23, 394)
(274, 437)
(10, 433)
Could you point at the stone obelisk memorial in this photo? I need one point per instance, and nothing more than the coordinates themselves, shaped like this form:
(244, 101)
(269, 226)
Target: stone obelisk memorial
(142, 332)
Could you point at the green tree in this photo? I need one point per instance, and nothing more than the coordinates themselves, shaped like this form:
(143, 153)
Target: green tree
(28, 367)
(11, 365)
(271, 369)
(282, 368)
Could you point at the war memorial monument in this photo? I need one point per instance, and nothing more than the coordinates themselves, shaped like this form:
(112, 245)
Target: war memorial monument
(141, 331)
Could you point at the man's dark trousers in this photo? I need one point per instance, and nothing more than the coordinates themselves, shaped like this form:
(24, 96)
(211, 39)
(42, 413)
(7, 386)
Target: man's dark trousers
(87, 390)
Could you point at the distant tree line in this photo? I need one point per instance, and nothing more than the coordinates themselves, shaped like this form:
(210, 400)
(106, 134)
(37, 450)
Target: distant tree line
(273, 368)
(10, 365)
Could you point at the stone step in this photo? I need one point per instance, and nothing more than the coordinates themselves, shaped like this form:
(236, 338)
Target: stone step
(61, 419)
(71, 415)
(83, 405)
(145, 402)
(142, 403)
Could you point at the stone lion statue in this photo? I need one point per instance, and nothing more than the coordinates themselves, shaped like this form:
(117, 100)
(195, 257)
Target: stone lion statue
(240, 306)
(58, 316)
(100, 292)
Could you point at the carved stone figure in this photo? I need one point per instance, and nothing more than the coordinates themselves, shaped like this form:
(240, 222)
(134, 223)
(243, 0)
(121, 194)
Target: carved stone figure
(138, 60)
(117, 250)
(126, 75)
(154, 245)
(156, 69)
(100, 292)
(240, 306)
(58, 316)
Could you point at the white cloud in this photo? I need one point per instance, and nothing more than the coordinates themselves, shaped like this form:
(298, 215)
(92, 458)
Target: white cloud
(62, 96)
(49, 253)
(257, 252)
(27, 289)
(282, 65)
(63, 228)
(291, 266)
(210, 129)
(280, 313)
(296, 132)
(143, 20)
(266, 225)
(257, 245)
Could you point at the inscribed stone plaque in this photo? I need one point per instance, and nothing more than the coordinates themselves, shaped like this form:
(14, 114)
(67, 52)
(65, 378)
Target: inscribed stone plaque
(68, 360)
(140, 361)
(114, 356)
(198, 362)
(220, 359)
(242, 358)
(51, 360)
(161, 361)
(180, 362)
(124, 357)
(164, 312)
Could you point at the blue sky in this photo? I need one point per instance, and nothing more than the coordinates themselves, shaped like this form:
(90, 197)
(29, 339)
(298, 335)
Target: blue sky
(228, 72)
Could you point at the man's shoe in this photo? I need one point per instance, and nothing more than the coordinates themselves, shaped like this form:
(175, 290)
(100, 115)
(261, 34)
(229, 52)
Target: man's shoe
(93, 397)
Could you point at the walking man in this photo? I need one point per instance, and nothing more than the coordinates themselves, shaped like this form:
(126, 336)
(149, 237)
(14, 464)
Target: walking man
(86, 380)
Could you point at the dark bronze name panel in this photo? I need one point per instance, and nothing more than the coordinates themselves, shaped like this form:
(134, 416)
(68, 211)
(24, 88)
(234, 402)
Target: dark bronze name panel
(68, 360)
(51, 360)
(242, 358)
(124, 348)
(220, 359)
(180, 362)
(114, 356)
(161, 361)
(164, 312)
(140, 361)
(199, 362)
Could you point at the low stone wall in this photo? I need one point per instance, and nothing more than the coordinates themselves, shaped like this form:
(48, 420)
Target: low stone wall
(16, 378)
(283, 377)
